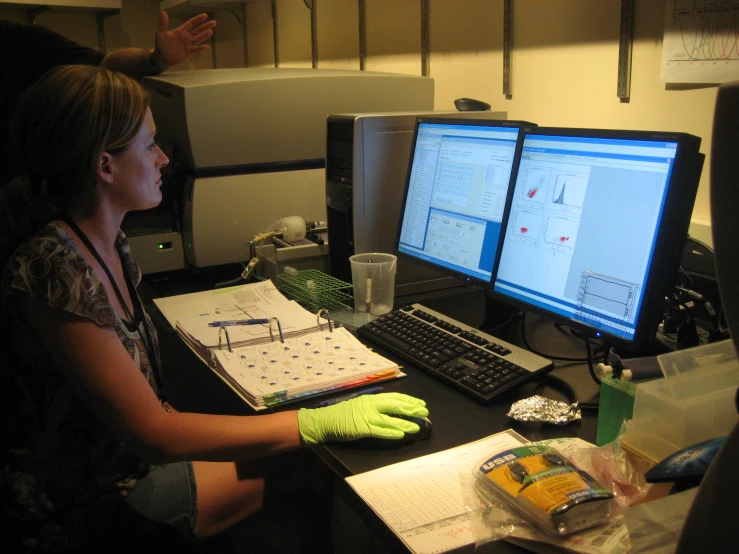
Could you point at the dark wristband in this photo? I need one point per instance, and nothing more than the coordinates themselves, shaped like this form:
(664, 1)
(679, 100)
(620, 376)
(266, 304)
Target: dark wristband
(153, 63)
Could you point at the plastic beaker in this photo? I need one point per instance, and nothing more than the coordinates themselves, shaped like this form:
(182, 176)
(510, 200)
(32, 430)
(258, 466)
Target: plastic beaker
(373, 277)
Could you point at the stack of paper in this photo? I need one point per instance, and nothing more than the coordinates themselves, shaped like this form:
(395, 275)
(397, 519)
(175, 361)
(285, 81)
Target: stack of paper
(274, 372)
(254, 361)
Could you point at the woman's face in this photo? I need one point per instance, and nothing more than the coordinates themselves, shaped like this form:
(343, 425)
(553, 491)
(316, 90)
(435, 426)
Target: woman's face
(137, 170)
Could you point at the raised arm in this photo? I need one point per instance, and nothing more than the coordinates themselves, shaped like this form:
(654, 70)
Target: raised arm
(170, 48)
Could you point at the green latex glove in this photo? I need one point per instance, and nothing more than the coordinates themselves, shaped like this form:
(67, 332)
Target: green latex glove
(360, 417)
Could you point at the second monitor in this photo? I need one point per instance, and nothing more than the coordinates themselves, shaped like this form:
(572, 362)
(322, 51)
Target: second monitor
(456, 194)
(596, 226)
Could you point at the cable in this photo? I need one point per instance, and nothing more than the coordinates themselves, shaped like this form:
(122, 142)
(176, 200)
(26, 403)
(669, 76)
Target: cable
(556, 383)
(589, 358)
(715, 332)
(530, 349)
(591, 369)
(502, 323)
(578, 335)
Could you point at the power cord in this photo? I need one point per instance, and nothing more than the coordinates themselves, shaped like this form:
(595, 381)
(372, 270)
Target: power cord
(578, 335)
(560, 385)
(588, 359)
(715, 333)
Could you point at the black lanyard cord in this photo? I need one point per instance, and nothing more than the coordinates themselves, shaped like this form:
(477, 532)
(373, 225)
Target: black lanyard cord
(138, 318)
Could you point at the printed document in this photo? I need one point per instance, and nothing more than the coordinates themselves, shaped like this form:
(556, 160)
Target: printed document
(421, 499)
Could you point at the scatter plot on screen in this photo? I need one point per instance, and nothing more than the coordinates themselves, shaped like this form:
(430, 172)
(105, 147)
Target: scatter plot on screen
(533, 191)
(560, 234)
(525, 226)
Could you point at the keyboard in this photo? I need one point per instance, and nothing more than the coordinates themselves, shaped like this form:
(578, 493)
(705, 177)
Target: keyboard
(470, 361)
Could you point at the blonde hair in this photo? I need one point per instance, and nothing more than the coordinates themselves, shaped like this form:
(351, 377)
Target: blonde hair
(61, 126)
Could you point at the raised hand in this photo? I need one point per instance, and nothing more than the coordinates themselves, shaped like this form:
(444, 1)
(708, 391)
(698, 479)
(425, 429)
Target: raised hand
(176, 46)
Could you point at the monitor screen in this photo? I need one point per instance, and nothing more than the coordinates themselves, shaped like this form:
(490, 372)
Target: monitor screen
(455, 194)
(595, 227)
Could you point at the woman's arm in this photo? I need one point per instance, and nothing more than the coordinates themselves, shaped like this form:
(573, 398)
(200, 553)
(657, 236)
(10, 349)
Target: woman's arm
(171, 48)
(101, 372)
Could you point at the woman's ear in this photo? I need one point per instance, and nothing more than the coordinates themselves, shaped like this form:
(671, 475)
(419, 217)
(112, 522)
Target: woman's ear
(105, 168)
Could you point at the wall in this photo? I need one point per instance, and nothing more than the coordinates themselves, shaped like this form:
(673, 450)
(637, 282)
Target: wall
(563, 65)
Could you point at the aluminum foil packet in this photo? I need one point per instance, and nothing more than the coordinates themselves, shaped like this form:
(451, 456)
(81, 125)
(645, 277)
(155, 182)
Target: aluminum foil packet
(544, 410)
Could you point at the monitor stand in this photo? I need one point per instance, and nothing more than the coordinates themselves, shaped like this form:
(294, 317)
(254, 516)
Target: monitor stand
(498, 315)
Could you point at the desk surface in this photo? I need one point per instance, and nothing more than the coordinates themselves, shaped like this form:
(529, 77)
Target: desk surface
(456, 418)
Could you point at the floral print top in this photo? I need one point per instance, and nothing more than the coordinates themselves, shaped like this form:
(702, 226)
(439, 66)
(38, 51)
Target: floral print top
(62, 473)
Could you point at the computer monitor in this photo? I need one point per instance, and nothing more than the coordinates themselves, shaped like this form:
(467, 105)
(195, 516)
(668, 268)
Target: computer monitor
(455, 194)
(595, 228)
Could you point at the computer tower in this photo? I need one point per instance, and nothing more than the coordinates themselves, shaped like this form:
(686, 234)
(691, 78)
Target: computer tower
(367, 159)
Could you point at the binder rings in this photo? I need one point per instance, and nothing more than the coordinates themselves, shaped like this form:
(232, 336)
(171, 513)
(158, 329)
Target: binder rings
(296, 355)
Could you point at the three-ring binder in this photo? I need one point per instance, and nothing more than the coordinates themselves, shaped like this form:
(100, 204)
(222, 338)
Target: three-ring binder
(223, 331)
(279, 328)
(328, 318)
(228, 339)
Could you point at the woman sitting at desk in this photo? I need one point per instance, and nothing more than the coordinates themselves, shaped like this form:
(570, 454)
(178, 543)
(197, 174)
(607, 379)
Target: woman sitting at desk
(91, 447)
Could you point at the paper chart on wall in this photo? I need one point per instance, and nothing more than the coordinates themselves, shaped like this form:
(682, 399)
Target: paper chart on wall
(700, 41)
(421, 499)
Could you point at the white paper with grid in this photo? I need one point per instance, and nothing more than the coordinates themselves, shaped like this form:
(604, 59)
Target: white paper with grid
(421, 499)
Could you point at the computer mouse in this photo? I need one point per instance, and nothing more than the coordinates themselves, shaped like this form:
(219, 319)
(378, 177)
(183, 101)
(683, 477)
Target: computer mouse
(376, 443)
(423, 422)
(471, 105)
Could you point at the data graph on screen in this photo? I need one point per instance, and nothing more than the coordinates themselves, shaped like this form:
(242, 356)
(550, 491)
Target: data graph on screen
(605, 295)
(561, 234)
(534, 191)
(526, 226)
(568, 194)
(453, 184)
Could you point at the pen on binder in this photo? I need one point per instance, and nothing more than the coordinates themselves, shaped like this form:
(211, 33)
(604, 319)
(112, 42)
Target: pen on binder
(371, 390)
(237, 322)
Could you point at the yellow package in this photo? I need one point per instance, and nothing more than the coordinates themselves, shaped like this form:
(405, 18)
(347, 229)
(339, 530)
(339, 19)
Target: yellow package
(544, 486)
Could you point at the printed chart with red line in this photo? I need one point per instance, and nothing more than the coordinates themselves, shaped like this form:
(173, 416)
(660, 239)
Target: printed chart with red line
(701, 41)
(533, 193)
(707, 30)
(526, 226)
(560, 234)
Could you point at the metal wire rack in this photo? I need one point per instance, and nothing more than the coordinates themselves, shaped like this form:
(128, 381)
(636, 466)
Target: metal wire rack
(314, 290)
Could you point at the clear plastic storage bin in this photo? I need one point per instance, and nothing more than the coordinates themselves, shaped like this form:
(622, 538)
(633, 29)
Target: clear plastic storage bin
(692, 403)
